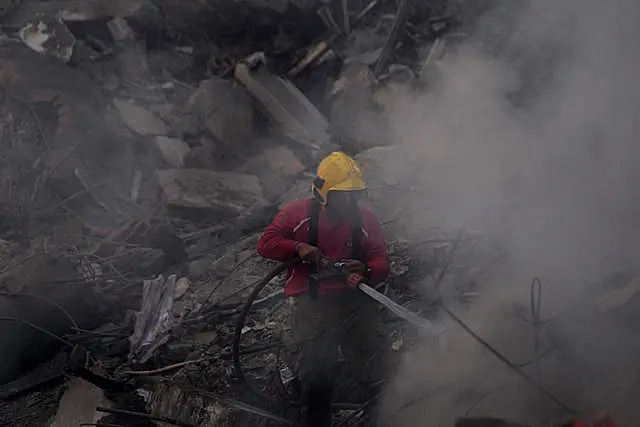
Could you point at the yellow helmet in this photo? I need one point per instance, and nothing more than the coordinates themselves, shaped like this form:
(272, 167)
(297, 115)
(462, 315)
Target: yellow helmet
(337, 172)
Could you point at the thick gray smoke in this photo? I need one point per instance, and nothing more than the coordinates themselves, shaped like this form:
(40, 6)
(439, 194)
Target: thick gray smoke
(531, 135)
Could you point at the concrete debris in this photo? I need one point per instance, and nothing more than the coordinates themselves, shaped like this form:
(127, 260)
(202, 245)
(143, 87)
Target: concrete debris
(354, 115)
(182, 285)
(49, 35)
(399, 23)
(224, 110)
(276, 167)
(79, 11)
(146, 160)
(285, 104)
(300, 190)
(78, 404)
(154, 321)
(278, 159)
(120, 30)
(224, 194)
(139, 119)
(173, 150)
(238, 265)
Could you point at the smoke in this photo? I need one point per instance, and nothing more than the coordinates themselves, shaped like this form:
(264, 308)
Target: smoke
(530, 134)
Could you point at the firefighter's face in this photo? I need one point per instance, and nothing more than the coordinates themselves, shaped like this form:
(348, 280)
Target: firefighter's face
(343, 205)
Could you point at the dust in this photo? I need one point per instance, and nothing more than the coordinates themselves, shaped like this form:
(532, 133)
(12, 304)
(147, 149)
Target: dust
(530, 135)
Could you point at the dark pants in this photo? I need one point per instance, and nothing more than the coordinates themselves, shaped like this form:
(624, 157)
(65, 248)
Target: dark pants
(350, 320)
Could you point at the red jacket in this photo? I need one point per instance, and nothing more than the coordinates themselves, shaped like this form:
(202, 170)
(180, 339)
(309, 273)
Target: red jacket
(291, 225)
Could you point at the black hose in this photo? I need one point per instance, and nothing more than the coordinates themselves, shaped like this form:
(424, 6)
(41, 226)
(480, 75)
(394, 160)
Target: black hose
(235, 347)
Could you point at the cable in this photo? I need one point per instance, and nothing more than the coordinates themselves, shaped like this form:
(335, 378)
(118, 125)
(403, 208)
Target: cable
(235, 346)
(509, 364)
(221, 282)
(496, 353)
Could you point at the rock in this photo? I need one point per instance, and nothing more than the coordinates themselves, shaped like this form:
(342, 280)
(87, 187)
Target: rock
(199, 158)
(78, 404)
(139, 119)
(282, 159)
(354, 115)
(49, 35)
(72, 123)
(276, 167)
(173, 150)
(300, 190)
(182, 285)
(131, 60)
(187, 407)
(120, 30)
(223, 109)
(77, 11)
(285, 104)
(233, 272)
(224, 194)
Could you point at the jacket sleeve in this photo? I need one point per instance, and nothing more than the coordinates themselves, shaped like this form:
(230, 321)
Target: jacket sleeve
(374, 250)
(277, 241)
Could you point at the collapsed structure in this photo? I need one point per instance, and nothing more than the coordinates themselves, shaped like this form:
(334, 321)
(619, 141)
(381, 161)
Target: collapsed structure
(136, 182)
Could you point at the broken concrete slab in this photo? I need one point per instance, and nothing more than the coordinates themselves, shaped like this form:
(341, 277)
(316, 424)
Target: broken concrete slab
(48, 35)
(225, 194)
(173, 150)
(285, 104)
(78, 404)
(353, 115)
(278, 158)
(69, 120)
(140, 119)
(120, 30)
(230, 272)
(77, 11)
(224, 109)
(300, 190)
(276, 167)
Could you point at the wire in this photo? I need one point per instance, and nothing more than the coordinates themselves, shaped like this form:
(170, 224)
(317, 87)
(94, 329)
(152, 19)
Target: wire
(515, 368)
(221, 282)
(509, 364)
(235, 346)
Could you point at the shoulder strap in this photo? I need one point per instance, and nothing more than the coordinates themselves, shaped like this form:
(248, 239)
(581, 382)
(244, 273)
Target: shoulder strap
(314, 219)
(356, 238)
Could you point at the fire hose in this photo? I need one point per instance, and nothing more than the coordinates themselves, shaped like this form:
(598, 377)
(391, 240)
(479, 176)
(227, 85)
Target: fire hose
(335, 271)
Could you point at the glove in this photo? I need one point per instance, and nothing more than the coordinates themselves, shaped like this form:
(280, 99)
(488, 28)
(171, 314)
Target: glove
(355, 266)
(309, 253)
(353, 280)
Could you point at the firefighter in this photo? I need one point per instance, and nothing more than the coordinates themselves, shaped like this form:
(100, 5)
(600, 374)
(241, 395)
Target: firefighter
(333, 226)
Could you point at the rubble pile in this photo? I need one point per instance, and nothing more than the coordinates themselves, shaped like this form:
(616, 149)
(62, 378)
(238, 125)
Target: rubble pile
(145, 145)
